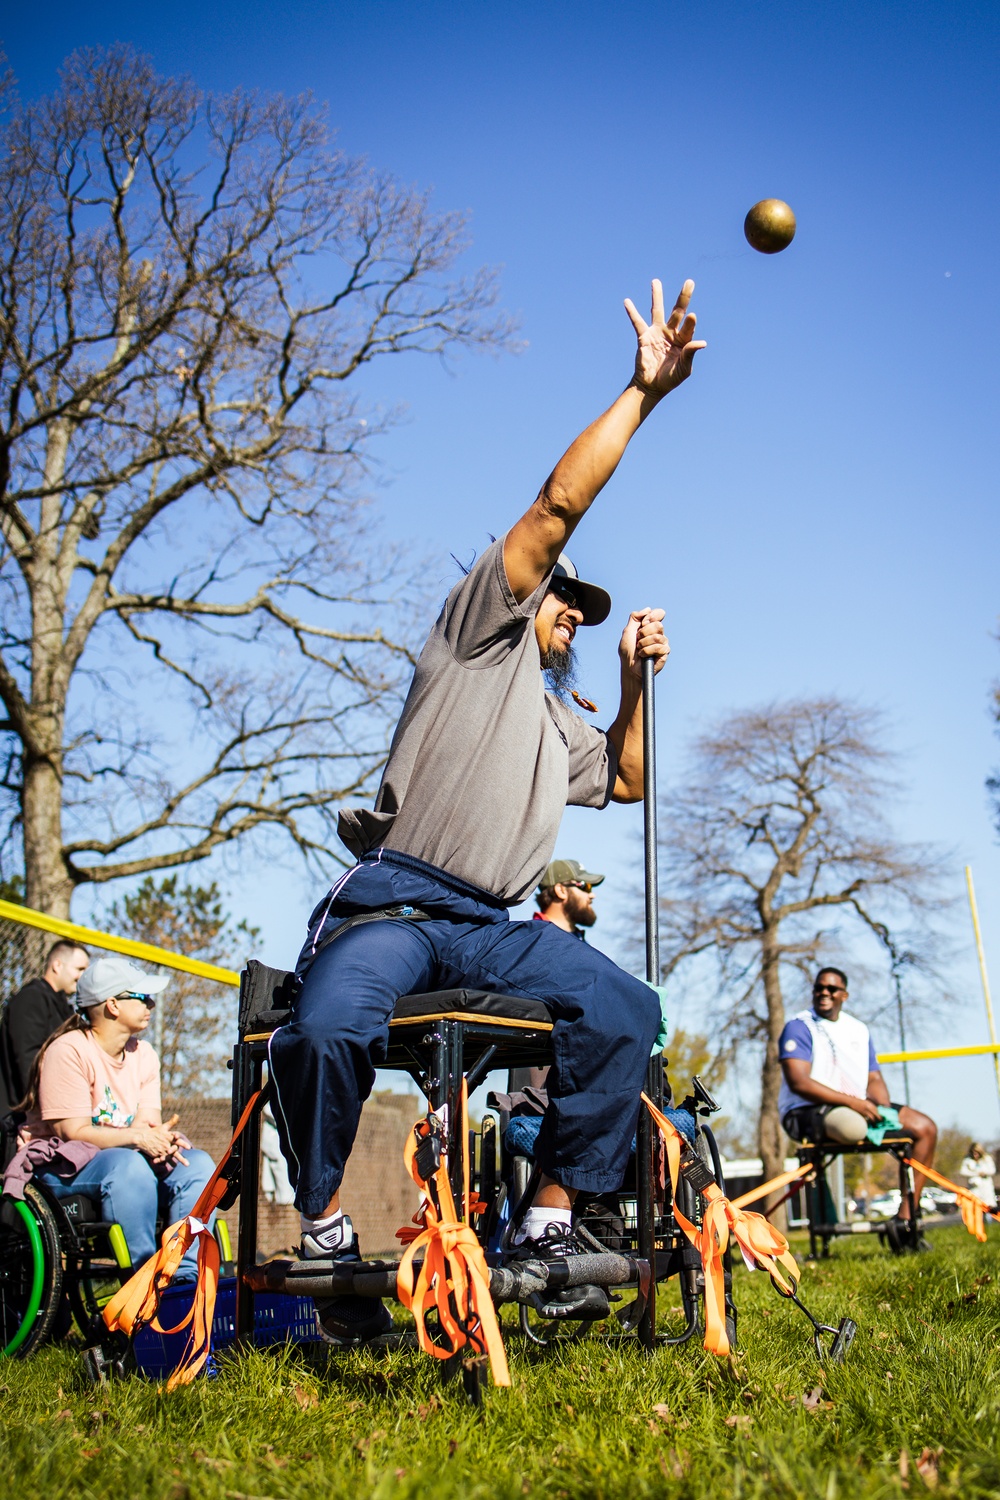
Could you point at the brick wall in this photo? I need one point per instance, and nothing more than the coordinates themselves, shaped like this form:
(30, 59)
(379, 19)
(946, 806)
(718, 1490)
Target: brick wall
(377, 1192)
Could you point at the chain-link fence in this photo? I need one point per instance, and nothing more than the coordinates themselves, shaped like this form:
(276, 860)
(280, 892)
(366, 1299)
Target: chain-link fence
(194, 1022)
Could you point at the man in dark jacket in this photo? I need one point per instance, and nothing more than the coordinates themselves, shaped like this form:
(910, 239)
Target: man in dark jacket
(31, 1016)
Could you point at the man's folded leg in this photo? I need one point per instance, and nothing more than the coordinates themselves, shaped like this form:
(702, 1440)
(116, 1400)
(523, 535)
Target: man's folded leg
(322, 1067)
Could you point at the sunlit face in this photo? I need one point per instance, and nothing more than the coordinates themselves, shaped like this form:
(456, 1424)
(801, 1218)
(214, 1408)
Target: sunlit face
(556, 623)
(63, 973)
(134, 1011)
(829, 994)
(579, 905)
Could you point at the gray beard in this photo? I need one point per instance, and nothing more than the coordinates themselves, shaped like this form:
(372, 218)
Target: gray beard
(560, 670)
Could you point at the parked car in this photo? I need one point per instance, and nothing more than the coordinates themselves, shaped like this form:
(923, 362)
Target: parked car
(934, 1200)
(885, 1206)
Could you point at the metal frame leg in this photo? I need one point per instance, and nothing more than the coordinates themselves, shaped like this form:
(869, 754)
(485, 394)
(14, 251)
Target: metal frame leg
(645, 1164)
(906, 1191)
(250, 1076)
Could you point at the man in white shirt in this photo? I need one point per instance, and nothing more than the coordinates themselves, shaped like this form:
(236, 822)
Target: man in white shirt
(833, 1086)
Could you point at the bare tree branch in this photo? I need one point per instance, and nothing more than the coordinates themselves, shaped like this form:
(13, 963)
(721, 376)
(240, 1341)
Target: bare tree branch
(187, 286)
(780, 826)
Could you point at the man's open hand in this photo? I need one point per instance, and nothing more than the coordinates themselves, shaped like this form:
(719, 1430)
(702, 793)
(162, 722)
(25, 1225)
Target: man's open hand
(666, 346)
(643, 636)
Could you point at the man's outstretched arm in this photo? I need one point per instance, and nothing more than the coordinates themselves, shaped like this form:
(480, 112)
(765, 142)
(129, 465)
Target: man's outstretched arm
(666, 349)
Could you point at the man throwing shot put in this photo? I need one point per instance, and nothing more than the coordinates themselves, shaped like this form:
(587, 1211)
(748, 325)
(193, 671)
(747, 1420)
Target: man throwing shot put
(483, 761)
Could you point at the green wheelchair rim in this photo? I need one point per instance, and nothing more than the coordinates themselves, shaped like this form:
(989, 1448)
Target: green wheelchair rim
(38, 1280)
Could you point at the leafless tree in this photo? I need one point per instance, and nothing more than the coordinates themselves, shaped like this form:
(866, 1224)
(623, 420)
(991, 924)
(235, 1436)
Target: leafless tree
(780, 829)
(196, 637)
(993, 782)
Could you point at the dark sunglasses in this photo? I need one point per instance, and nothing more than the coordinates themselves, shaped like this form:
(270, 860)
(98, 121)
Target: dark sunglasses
(565, 593)
(829, 989)
(149, 1000)
(581, 885)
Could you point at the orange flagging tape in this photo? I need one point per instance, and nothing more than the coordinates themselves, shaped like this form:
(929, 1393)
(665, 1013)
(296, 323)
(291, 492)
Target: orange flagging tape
(139, 1299)
(454, 1279)
(799, 1174)
(761, 1244)
(973, 1210)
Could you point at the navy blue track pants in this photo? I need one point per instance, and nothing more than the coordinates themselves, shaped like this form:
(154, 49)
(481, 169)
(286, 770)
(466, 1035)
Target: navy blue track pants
(323, 1061)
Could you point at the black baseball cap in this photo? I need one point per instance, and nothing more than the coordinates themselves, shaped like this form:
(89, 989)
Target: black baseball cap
(593, 601)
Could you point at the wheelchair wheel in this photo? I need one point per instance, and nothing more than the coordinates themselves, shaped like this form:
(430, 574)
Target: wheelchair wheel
(30, 1272)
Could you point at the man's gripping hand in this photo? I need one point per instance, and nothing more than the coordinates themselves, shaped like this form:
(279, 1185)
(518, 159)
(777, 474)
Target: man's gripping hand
(643, 636)
(666, 346)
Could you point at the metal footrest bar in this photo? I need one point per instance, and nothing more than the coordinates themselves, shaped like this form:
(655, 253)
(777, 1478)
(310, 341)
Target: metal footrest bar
(520, 1282)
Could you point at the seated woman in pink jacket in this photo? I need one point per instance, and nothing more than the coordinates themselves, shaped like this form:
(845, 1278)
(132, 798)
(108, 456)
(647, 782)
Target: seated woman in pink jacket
(95, 1081)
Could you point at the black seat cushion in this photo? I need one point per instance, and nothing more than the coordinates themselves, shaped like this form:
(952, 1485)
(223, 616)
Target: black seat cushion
(476, 1002)
(265, 996)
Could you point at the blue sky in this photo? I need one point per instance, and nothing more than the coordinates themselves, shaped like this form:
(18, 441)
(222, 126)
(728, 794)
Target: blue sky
(816, 509)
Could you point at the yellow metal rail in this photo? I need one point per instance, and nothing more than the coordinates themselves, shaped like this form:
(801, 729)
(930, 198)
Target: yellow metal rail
(890, 1057)
(148, 951)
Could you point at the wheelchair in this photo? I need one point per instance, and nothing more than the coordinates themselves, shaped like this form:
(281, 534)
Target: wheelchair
(447, 1042)
(60, 1263)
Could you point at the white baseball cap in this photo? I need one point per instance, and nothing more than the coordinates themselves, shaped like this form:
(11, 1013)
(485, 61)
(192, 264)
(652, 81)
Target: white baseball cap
(107, 977)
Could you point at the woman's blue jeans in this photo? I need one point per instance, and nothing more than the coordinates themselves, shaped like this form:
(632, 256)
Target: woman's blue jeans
(129, 1192)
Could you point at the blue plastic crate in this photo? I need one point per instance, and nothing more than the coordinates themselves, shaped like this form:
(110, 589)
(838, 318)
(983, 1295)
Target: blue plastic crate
(277, 1319)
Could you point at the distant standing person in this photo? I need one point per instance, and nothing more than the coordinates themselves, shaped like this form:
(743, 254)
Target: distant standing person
(565, 896)
(979, 1169)
(31, 1016)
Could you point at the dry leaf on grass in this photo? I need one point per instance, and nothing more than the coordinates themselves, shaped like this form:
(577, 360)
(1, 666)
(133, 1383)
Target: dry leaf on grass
(927, 1466)
(662, 1411)
(904, 1465)
(742, 1421)
(304, 1398)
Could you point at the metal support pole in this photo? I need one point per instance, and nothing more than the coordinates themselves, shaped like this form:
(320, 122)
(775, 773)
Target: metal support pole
(897, 981)
(649, 822)
(645, 1175)
(982, 970)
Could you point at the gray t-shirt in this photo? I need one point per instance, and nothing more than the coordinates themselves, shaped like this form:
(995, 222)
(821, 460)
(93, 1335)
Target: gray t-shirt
(484, 760)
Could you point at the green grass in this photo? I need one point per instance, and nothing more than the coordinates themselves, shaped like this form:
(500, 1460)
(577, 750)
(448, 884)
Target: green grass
(585, 1419)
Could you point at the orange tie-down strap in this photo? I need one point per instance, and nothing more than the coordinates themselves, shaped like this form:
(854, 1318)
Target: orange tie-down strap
(797, 1177)
(974, 1211)
(761, 1244)
(137, 1304)
(454, 1280)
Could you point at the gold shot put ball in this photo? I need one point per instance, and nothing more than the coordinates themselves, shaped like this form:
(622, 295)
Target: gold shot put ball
(769, 226)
